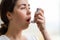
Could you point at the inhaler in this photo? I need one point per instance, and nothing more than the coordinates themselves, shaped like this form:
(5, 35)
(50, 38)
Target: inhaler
(37, 11)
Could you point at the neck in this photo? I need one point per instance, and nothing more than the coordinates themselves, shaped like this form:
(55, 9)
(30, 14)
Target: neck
(14, 32)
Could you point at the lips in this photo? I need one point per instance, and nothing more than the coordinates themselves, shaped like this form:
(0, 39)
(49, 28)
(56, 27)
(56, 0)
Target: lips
(28, 20)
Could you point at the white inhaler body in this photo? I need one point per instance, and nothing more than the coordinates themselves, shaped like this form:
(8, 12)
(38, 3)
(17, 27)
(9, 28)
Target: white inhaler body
(37, 11)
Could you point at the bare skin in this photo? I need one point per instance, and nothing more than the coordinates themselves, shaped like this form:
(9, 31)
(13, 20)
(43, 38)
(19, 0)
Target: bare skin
(20, 20)
(40, 21)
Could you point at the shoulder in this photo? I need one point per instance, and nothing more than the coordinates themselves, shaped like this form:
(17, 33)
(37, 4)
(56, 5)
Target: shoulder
(3, 37)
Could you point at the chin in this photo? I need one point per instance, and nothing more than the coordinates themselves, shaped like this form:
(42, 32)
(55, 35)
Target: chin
(25, 27)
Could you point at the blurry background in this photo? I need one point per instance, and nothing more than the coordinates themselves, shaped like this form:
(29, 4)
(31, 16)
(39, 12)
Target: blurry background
(51, 12)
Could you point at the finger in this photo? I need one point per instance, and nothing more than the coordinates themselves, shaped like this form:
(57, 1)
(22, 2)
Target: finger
(40, 21)
(40, 17)
(40, 12)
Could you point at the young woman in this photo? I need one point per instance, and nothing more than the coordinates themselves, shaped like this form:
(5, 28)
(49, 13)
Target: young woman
(16, 16)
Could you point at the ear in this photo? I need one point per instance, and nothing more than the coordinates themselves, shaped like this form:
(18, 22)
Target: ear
(9, 15)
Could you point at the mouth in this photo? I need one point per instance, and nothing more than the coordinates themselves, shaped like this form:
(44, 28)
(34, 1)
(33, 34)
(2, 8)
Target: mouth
(28, 20)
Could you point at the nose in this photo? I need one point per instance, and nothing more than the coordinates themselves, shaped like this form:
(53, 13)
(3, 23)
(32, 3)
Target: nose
(28, 12)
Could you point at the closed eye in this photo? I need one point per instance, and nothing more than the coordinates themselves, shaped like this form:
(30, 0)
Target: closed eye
(23, 8)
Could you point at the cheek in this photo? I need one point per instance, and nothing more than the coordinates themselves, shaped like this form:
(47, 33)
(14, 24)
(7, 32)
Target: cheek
(19, 16)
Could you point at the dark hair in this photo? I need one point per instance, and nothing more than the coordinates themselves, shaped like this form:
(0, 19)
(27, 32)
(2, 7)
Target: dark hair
(6, 5)
(0, 10)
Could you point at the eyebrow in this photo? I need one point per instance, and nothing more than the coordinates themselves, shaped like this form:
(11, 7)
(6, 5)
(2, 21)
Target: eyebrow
(24, 4)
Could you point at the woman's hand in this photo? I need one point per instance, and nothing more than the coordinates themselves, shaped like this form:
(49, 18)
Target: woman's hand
(40, 19)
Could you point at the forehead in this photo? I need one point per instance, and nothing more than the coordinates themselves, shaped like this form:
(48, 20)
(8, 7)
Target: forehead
(22, 2)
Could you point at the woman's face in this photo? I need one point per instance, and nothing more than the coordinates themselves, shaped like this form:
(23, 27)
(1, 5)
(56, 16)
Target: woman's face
(21, 14)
